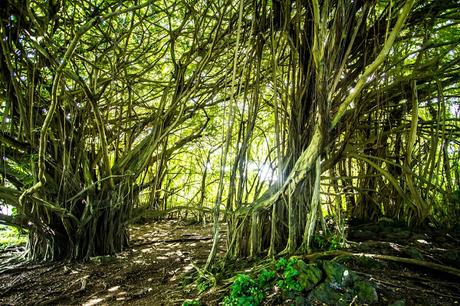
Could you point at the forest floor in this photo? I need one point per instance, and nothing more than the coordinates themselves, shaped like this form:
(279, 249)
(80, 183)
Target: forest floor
(164, 254)
(149, 273)
(401, 283)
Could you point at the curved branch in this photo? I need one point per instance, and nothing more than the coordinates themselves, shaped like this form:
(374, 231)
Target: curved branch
(374, 65)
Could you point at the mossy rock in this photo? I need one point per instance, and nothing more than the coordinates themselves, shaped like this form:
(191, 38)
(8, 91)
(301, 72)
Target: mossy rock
(339, 274)
(309, 274)
(334, 271)
(341, 286)
(366, 292)
(329, 294)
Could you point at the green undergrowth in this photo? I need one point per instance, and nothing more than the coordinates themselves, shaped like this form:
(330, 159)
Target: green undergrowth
(328, 242)
(296, 282)
(192, 303)
(10, 236)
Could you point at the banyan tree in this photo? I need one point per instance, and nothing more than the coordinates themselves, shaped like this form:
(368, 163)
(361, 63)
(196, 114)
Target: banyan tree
(94, 94)
(294, 110)
(349, 83)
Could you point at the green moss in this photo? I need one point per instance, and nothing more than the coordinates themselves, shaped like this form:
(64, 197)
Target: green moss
(309, 275)
(329, 294)
(338, 273)
(296, 281)
(366, 292)
(341, 286)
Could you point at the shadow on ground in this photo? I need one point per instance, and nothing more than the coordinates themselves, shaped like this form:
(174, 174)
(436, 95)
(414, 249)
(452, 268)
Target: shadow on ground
(146, 274)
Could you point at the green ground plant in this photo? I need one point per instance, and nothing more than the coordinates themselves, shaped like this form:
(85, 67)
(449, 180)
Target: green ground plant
(10, 236)
(284, 276)
(192, 303)
(244, 291)
(296, 281)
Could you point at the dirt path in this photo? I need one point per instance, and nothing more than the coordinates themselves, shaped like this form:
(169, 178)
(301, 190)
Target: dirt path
(149, 273)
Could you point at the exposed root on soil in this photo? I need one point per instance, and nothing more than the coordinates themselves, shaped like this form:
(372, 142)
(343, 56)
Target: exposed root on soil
(411, 261)
(165, 256)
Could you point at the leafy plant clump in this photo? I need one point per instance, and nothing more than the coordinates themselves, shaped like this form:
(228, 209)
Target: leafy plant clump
(289, 273)
(329, 242)
(287, 277)
(245, 291)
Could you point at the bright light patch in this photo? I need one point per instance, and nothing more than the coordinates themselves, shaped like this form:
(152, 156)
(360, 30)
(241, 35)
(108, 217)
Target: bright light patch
(454, 109)
(114, 289)
(6, 210)
(93, 301)
(265, 172)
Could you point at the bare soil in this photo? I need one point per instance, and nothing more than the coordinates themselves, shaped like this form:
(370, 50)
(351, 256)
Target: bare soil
(147, 274)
